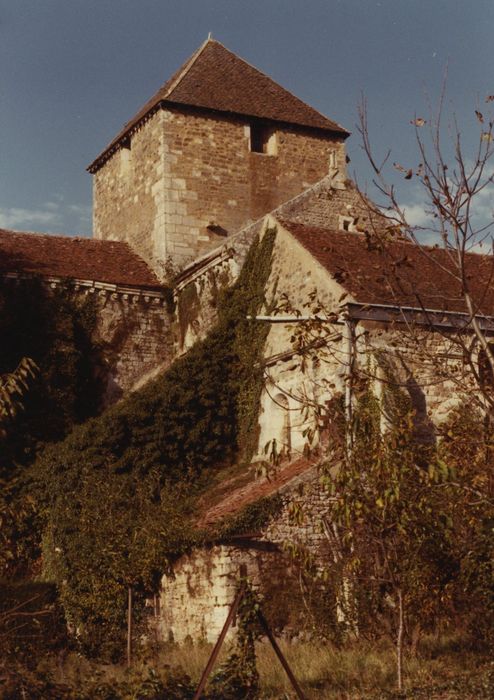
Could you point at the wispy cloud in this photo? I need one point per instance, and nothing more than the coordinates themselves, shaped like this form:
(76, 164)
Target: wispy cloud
(14, 217)
(418, 212)
(82, 211)
(51, 215)
(416, 215)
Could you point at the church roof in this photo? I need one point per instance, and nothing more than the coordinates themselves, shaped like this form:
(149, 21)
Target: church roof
(109, 262)
(375, 270)
(216, 79)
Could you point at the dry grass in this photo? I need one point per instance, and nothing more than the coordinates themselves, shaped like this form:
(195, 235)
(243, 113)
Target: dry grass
(325, 672)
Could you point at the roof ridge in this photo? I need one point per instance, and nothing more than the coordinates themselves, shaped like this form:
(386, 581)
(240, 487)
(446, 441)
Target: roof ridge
(187, 66)
(43, 234)
(65, 237)
(70, 257)
(180, 90)
(402, 241)
(272, 80)
(252, 67)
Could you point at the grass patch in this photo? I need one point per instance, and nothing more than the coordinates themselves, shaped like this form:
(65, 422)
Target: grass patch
(444, 669)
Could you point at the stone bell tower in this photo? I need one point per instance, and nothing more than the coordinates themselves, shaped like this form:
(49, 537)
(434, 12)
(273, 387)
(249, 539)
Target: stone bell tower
(218, 146)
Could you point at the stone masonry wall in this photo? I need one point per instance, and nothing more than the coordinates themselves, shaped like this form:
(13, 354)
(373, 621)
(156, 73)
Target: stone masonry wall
(300, 521)
(212, 179)
(195, 600)
(427, 366)
(136, 339)
(189, 179)
(321, 205)
(128, 193)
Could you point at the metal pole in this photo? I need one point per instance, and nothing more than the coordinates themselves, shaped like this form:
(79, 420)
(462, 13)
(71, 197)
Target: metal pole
(219, 643)
(279, 654)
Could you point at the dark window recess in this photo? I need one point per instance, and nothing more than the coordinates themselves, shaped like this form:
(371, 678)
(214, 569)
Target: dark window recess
(125, 143)
(259, 138)
(217, 229)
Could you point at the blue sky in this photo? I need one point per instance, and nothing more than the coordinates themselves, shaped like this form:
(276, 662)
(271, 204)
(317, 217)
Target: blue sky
(73, 71)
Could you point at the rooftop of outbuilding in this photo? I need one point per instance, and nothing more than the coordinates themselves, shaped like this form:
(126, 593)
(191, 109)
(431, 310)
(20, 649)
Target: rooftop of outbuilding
(233, 495)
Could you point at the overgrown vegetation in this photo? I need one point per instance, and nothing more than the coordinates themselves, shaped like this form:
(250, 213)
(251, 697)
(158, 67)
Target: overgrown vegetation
(444, 667)
(31, 621)
(409, 544)
(117, 496)
(251, 519)
(238, 676)
(54, 330)
(47, 365)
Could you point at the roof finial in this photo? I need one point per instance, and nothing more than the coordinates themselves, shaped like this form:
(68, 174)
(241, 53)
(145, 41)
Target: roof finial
(210, 36)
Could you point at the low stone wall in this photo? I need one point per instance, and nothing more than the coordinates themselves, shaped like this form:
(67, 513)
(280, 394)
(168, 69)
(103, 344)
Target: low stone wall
(195, 600)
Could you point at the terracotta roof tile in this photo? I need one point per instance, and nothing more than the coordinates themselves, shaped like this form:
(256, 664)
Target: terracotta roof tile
(319, 205)
(216, 79)
(255, 489)
(112, 262)
(397, 272)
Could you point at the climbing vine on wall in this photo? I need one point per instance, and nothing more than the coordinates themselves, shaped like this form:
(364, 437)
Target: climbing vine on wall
(52, 328)
(148, 458)
(238, 677)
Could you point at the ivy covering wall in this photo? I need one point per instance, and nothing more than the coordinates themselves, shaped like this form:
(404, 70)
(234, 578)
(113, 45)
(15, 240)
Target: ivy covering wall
(53, 328)
(118, 495)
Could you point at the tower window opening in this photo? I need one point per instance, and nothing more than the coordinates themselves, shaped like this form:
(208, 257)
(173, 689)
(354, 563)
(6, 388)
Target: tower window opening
(262, 140)
(347, 223)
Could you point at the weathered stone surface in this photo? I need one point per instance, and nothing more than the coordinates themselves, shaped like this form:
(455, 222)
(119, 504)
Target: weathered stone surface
(195, 601)
(189, 179)
(128, 196)
(135, 336)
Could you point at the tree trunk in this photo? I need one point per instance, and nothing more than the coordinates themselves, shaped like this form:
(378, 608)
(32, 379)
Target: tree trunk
(129, 627)
(399, 642)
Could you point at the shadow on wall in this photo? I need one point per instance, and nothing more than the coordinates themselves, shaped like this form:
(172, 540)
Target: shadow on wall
(424, 431)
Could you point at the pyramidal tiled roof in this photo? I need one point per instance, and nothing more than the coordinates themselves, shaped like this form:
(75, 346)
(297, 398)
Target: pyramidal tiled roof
(215, 78)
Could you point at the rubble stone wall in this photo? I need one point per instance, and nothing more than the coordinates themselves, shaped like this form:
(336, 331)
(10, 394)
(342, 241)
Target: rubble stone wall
(195, 600)
(136, 338)
(189, 179)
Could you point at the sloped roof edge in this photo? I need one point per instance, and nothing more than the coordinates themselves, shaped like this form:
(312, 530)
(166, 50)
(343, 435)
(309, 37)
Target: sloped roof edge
(68, 257)
(396, 272)
(236, 499)
(175, 93)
